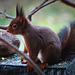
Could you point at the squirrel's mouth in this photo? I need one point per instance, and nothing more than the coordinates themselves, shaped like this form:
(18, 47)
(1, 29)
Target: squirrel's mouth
(12, 32)
(9, 31)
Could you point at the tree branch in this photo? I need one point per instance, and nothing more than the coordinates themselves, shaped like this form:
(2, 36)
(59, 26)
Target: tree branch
(39, 7)
(67, 2)
(4, 27)
(33, 11)
(14, 48)
(5, 15)
(49, 3)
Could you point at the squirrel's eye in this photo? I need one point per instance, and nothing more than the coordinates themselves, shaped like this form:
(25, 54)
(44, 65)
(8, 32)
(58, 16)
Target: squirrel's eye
(14, 26)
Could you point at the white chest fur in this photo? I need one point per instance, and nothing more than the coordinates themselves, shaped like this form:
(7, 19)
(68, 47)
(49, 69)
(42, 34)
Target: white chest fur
(40, 56)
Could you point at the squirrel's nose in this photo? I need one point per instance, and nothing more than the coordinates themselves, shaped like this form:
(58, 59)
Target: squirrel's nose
(7, 30)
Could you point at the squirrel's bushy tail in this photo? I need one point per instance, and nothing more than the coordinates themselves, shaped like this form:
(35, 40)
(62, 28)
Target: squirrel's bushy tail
(67, 38)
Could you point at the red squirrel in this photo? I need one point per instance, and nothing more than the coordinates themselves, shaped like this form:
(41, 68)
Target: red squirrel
(41, 42)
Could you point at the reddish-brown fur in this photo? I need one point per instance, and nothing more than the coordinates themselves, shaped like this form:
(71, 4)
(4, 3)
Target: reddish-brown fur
(67, 38)
(39, 40)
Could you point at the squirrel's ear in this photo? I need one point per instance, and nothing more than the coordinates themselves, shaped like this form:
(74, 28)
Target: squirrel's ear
(21, 12)
(21, 15)
(17, 10)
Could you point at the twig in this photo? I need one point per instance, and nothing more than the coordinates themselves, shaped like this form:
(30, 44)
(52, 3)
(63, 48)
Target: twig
(67, 2)
(39, 7)
(49, 3)
(5, 15)
(4, 27)
(33, 11)
(14, 48)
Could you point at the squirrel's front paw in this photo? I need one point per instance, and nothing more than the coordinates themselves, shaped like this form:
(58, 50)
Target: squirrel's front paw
(23, 61)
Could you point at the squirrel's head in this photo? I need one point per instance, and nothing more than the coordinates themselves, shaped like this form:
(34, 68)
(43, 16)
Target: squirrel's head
(17, 24)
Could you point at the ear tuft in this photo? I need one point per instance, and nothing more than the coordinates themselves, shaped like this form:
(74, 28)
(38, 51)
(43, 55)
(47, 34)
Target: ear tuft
(19, 11)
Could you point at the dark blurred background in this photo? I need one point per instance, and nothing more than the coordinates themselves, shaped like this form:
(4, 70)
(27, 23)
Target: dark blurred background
(54, 16)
